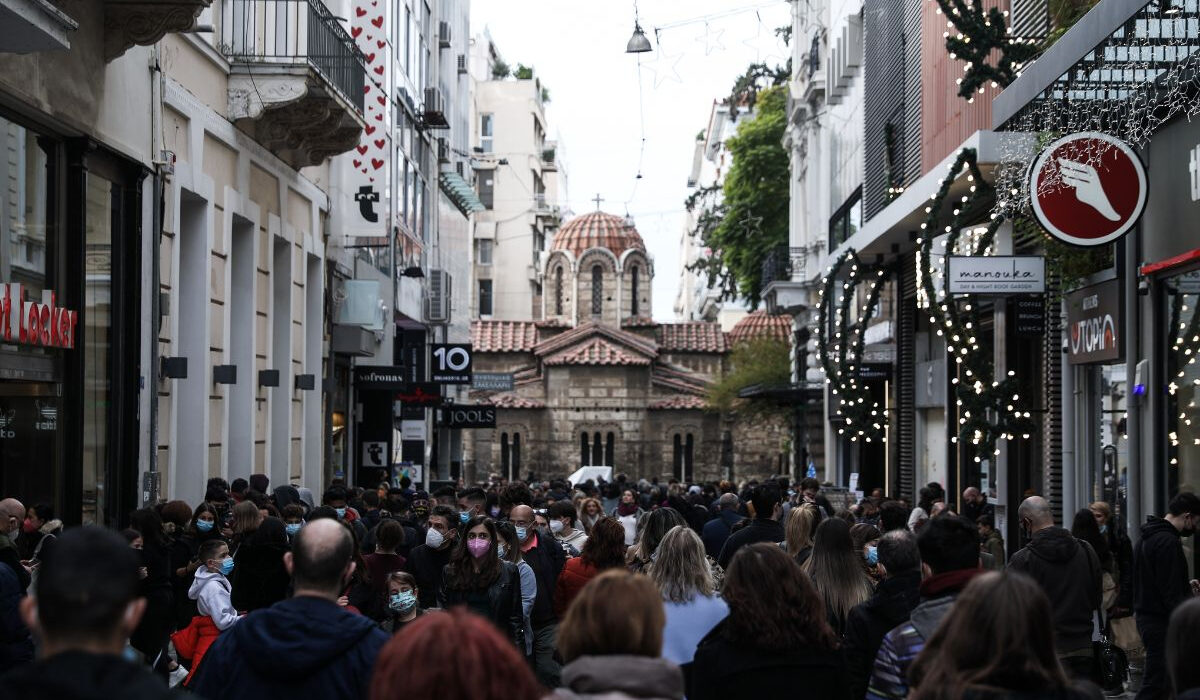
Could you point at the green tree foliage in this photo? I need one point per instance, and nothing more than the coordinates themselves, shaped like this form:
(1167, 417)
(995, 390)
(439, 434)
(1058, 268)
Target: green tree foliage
(760, 361)
(751, 217)
(500, 70)
(523, 72)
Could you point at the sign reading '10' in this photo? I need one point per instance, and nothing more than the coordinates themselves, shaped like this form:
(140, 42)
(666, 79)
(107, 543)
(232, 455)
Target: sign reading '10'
(451, 363)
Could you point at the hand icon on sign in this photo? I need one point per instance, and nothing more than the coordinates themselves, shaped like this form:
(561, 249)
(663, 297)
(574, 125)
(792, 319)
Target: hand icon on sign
(1088, 189)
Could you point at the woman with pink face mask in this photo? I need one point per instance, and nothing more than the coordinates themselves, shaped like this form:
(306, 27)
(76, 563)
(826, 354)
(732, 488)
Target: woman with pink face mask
(486, 584)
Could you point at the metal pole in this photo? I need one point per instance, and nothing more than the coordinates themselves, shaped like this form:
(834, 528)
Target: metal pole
(1133, 421)
(1068, 427)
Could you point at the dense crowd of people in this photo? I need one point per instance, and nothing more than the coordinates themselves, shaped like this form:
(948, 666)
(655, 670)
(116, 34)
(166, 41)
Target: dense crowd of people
(596, 590)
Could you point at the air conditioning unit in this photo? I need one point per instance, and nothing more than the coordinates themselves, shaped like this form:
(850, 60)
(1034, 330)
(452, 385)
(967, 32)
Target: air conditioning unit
(462, 64)
(443, 150)
(434, 114)
(444, 34)
(437, 298)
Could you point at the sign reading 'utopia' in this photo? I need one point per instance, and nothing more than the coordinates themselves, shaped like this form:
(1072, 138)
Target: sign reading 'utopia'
(1088, 189)
(35, 323)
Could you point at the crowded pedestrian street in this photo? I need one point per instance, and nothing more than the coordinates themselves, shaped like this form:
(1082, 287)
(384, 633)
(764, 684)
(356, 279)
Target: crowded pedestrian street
(623, 350)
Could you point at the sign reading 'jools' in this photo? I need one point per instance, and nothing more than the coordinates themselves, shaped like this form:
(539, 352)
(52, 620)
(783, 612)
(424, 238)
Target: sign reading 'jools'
(41, 323)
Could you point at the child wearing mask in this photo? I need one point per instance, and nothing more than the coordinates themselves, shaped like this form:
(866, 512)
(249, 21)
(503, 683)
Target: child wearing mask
(212, 592)
(402, 604)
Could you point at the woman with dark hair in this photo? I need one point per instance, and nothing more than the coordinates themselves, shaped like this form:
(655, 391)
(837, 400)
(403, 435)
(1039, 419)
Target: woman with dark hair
(629, 514)
(657, 523)
(611, 641)
(776, 642)
(836, 570)
(403, 605)
(259, 578)
(452, 655)
(150, 637)
(1084, 527)
(605, 549)
(477, 578)
(1183, 650)
(389, 535)
(996, 643)
(508, 548)
(865, 538)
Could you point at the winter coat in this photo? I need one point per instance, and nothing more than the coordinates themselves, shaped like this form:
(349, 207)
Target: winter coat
(575, 575)
(758, 530)
(1160, 571)
(994, 545)
(716, 531)
(259, 578)
(300, 647)
(724, 669)
(426, 565)
(378, 568)
(193, 641)
(869, 621)
(547, 560)
(38, 544)
(1122, 552)
(503, 601)
(1078, 691)
(16, 643)
(688, 623)
(12, 558)
(1068, 570)
(158, 620)
(78, 675)
(180, 553)
(620, 677)
(211, 591)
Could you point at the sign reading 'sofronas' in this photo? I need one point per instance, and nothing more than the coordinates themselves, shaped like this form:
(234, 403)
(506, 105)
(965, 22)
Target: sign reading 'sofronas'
(1088, 189)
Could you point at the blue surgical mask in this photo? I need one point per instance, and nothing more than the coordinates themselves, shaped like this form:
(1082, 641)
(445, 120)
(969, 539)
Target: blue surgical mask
(464, 516)
(204, 525)
(227, 566)
(1104, 529)
(495, 511)
(872, 555)
(402, 602)
(341, 513)
(293, 528)
(521, 532)
(501, 550)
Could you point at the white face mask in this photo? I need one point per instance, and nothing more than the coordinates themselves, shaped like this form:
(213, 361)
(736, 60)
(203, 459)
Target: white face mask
(556, 526)
(434, 539)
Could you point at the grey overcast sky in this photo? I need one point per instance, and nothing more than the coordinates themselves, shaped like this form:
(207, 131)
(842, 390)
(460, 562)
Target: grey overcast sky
(577, 50)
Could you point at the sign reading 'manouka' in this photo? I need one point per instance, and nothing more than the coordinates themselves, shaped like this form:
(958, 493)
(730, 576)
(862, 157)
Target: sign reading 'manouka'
(995, 274)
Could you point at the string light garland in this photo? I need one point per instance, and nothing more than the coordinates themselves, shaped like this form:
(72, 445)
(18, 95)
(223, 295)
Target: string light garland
(989, 409)
(1185, 342)
(982, 36)
(864, 419)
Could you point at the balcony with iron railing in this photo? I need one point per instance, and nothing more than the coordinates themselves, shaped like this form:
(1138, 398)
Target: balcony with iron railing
(296, 78)
(784, 278)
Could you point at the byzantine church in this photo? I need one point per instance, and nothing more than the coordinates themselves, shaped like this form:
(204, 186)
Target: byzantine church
(597, 382)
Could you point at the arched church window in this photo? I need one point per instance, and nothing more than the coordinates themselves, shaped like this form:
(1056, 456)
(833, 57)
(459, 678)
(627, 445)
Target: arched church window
(684, 454)
(504, 463)
(585, 457)
(633, 278)
(609, 444)
(516, 456)
(597, 290)
(597, 449)
(677, 458)
(558, 291)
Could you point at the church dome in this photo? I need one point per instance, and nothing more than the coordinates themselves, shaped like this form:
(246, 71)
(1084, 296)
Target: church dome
(598, 230)
(760, 324)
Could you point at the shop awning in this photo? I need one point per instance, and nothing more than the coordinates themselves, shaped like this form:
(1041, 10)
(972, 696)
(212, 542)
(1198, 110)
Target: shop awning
(460, 193)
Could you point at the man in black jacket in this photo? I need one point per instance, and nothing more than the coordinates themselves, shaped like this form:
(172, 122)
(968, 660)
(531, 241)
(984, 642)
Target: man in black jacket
(1068, 570)
(547, 559)
(11, 513)
(426, 561)
(717, 530)
(765, 501)
(891, 605)
(1160, 584)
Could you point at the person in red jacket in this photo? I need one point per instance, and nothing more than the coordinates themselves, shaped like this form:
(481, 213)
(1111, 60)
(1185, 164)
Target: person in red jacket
(605, 549)
(211, 591)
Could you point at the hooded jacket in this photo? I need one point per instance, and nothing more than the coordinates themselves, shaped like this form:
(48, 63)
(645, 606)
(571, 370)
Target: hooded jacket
(620, 677)
(77, 675)
(1068, 570)
(1160, 573)
(300, 647)
(869, 621)
(211, 591)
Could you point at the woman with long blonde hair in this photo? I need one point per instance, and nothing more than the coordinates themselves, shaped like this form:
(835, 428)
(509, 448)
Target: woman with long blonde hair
(683, 576)
(798, 533)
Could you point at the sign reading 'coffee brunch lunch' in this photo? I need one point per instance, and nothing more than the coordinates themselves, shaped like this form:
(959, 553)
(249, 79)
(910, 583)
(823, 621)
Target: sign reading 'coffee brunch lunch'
(41, 323)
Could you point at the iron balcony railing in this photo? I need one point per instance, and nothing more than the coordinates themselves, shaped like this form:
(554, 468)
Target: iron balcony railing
(294, 31)
(777, 266)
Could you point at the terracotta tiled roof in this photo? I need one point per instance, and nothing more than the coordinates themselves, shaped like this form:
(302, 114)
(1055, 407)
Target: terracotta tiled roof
(509, 400)
(633, 341)
(760, 324)
(597, 230)
(597, 351)
(694, 336)
(678, 380)
(681, 402)
(503, 336)
(638, 322)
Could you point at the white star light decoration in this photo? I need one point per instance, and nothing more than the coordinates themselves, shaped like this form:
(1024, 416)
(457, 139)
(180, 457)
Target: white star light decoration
(665, 66)
(711, 40)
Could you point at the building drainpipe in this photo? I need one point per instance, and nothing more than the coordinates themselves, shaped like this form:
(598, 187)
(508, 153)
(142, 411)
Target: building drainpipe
(1068, 428)
(156, 131)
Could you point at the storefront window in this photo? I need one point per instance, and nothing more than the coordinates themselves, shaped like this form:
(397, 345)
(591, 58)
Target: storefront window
(1183, 387)
(103, 211)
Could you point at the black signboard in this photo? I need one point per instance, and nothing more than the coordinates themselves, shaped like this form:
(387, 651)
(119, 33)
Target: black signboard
(1094, 330)
(450, 363)
(469, 417)
(1027, 316)
(492, 381)
(382, 377)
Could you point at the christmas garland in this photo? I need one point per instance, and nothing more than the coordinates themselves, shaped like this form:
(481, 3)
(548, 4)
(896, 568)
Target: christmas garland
(864, 418)
(979, 34)
(990, 409)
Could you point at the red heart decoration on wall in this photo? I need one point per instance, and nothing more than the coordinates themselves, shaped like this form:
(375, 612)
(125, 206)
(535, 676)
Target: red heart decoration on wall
(376, 163)
(371, 179)
(378, 117)
(380, 43)
(357, 163)
(366, 89)
(362, 150)
(370, 58)
(359, 11)
(381, 99)
(379, 143)
(378, 21)
(378, 70)
(370, 130)
(355, 32)
(363, 170)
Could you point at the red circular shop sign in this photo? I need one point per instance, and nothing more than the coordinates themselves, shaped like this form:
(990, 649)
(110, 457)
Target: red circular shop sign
(1088, 189)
